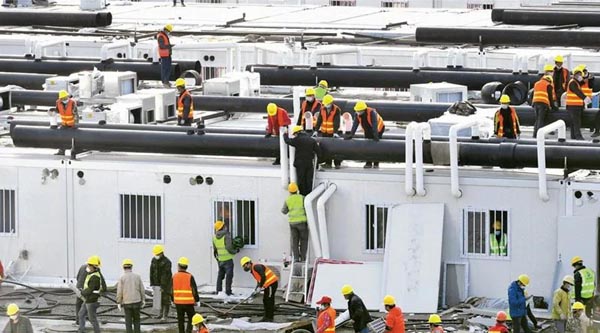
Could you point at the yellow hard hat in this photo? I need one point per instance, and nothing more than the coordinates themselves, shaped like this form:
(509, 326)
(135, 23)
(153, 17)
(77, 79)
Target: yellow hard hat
(559, 58)
(127, 262)
(272, 109)
(94, 261)
(183, 261)
(575, 260)
(347, 289)
(180, 82)
(245, 260)
(577, 69)
(434, 319)
(548, 68)
(569, 279)
(578, 306)
(309, 92)
(328, 99)
(360, 105)
(63, 94)
(497, 225)
(197, 319)
(389, 300)
(219, 225)
(524, 279)
(12, 309)
(296, 129)
(548, 78)
(158, 249)
(169, 27)
(293, 187)
(99, 261)
(323, 84)
(504, 99)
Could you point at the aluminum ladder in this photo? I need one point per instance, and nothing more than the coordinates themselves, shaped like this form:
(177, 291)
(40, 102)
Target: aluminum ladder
(298, 280)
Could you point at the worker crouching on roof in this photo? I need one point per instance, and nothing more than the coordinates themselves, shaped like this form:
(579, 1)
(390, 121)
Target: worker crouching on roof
(372, 126)
(560, 303)
(435, 324)
(518, 304)
(224, 251)
(266, 281)
(185, 295)
(326, 316)
(506, 121)
(185, 104)
(394, 320)
(576, 102)
(199, 326)
(357, 309)
(277, 117)
(544, 100)
(310, 104)
(16, 322)
(328, 124)
(500, 326)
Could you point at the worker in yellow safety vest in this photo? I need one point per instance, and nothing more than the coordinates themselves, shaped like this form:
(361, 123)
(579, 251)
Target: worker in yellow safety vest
(294, 207)
(498, 240)
(224, 251)
(585, 284)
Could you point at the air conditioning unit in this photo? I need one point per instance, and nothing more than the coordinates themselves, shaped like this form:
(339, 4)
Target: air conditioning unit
(164, 101)
(438, 92)
(142, 108)
(58, 83)
(91, 84)
(234, 84)
(119, 83)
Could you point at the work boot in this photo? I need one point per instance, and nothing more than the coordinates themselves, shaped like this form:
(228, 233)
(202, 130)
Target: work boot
(327, 166)
(167, 84)
(375, 165)
(276, 162)
(368, 165)
(266, 320)
(596, 134)
(60, 152)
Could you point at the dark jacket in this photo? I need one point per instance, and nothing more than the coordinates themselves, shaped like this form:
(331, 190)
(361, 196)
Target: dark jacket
(81, 275)
(306, 148)
(358, 313)
(192, 285)
(94, 287)
(364, 122)
(228, 244)
(22, 326)
(516, 300)
(161, 274)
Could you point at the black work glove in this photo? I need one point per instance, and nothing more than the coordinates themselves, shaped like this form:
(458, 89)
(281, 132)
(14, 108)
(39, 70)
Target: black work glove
(348, 137)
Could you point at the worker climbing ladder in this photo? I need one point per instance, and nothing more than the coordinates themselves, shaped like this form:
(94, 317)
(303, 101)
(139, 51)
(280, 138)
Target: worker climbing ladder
(298, 280)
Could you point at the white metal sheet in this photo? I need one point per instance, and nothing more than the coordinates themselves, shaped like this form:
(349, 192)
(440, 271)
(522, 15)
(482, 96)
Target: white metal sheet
(412, 260)
(570, 233)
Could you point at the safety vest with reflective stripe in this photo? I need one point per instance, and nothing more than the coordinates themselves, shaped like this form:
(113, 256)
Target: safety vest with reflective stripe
(89, 276)
(498, 248)
(499, 122)
(540, 92)
(180, 105)
(328, 120)
(315, 104)
(269, 275)
(370, 120)
(67, 115)
(321, 320)
(296, 212)
(572, 98)
(222, 253)
(586, 89)
(182, 288)
(164, 52)
(588, 283)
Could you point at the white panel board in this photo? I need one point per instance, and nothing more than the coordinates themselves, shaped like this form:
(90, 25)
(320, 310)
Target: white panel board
(412, 260)
(331, 277)
(570, 233)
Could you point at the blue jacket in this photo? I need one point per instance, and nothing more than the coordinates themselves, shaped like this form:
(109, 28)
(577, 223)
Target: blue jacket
(516, 300)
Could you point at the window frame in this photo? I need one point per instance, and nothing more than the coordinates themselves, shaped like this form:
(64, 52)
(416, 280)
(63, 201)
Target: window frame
(14, 232)
(234, 217)
(365, 248)
(488, 227)
(161, 216)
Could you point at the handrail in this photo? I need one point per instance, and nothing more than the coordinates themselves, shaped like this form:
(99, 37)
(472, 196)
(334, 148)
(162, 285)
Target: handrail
(541, 153)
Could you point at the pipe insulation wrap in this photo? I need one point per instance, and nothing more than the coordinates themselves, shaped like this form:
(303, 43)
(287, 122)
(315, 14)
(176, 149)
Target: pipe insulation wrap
(55, 19)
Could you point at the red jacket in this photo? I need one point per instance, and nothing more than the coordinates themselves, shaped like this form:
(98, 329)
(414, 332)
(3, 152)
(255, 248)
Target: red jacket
(281, 118)
(498, 328)
(394, 321)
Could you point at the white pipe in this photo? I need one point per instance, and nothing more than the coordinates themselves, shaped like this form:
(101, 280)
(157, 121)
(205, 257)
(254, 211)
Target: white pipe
(333, 51)
(422, 132)
(322, 218)
(283, 158)
(107, 47)
(541, 153)
(311, 220)
(474, 125)
(284, 59)
(40, 48)
(408, 160)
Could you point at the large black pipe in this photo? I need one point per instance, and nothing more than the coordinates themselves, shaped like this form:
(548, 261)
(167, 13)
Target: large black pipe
(531, 17)
(515, 37)
(25, 80)
(55, 19)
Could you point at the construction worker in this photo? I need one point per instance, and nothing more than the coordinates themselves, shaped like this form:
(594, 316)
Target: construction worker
(67, 110)
(498, 240)
(266, 281)
(543, 101)
(81, 275)
(185, 295)
(160, 280)
(576, 102)
(306, 150)
(16, 322)
(435, 324)
(506, 121)
(294, 207)
(357, 309)
(579, 321)
(560, 77)
(311, 104)
(326, 316)
(517, 304)
(131, 296)
(585, 284)
(394, 320)
(328, 124)
(587, 84)
(372, 126)
(164, 52)
(92, 287)
(278, 117)
(185, 104)
(224, 251)
(321, 90)
(198, 324)
(560, 303)
(500, 326)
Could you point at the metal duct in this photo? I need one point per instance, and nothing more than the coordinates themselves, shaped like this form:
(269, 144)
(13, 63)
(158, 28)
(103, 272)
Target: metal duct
(536, 17)
(25, 80)
(55, 19)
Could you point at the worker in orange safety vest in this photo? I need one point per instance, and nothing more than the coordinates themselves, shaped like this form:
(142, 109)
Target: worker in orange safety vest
(326, 316)
(266, 281)
(506, 121)
(185, 295)
(164, 53)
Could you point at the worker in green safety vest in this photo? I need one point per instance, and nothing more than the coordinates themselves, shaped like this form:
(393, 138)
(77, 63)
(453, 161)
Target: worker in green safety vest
(321, 90)
(224, 251)
(585, 284)
(294, 207)
(498, 241)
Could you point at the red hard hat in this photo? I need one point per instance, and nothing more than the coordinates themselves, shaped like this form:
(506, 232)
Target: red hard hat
(501, 316)
(325, 299)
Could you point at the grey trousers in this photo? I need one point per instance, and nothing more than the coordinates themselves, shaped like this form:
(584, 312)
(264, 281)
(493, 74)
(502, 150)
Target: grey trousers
(89, 310)
(299, 240)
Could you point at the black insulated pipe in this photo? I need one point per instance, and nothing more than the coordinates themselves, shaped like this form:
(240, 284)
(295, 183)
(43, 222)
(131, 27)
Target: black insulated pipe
(24, 80)
(537, 17)
(55, 19)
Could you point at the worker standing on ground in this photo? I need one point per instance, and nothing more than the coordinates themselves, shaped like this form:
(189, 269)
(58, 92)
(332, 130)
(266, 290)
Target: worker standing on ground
(506, 121)
(357, 309)
(372, 126)
(131, 296)
(310, 104)
(579, 322)
(198, 324)
(294, 207)
(560, 304)
(160, 280)
(543, 101)
(394, 320)
(81, 275)
(278, 117)
(560, 78)
(67, 110)
(321, 90)
(435, 324)
(266, 281)
(498, 241)
(306, 150)
(16, 322)
(500, 326)
(165, 52)
(224, 251)
(518, 304)
(328, 124)
(185, 295)
(326, 316)
(185, 104)
(576, 101)
(92, 287)
(585, 284)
